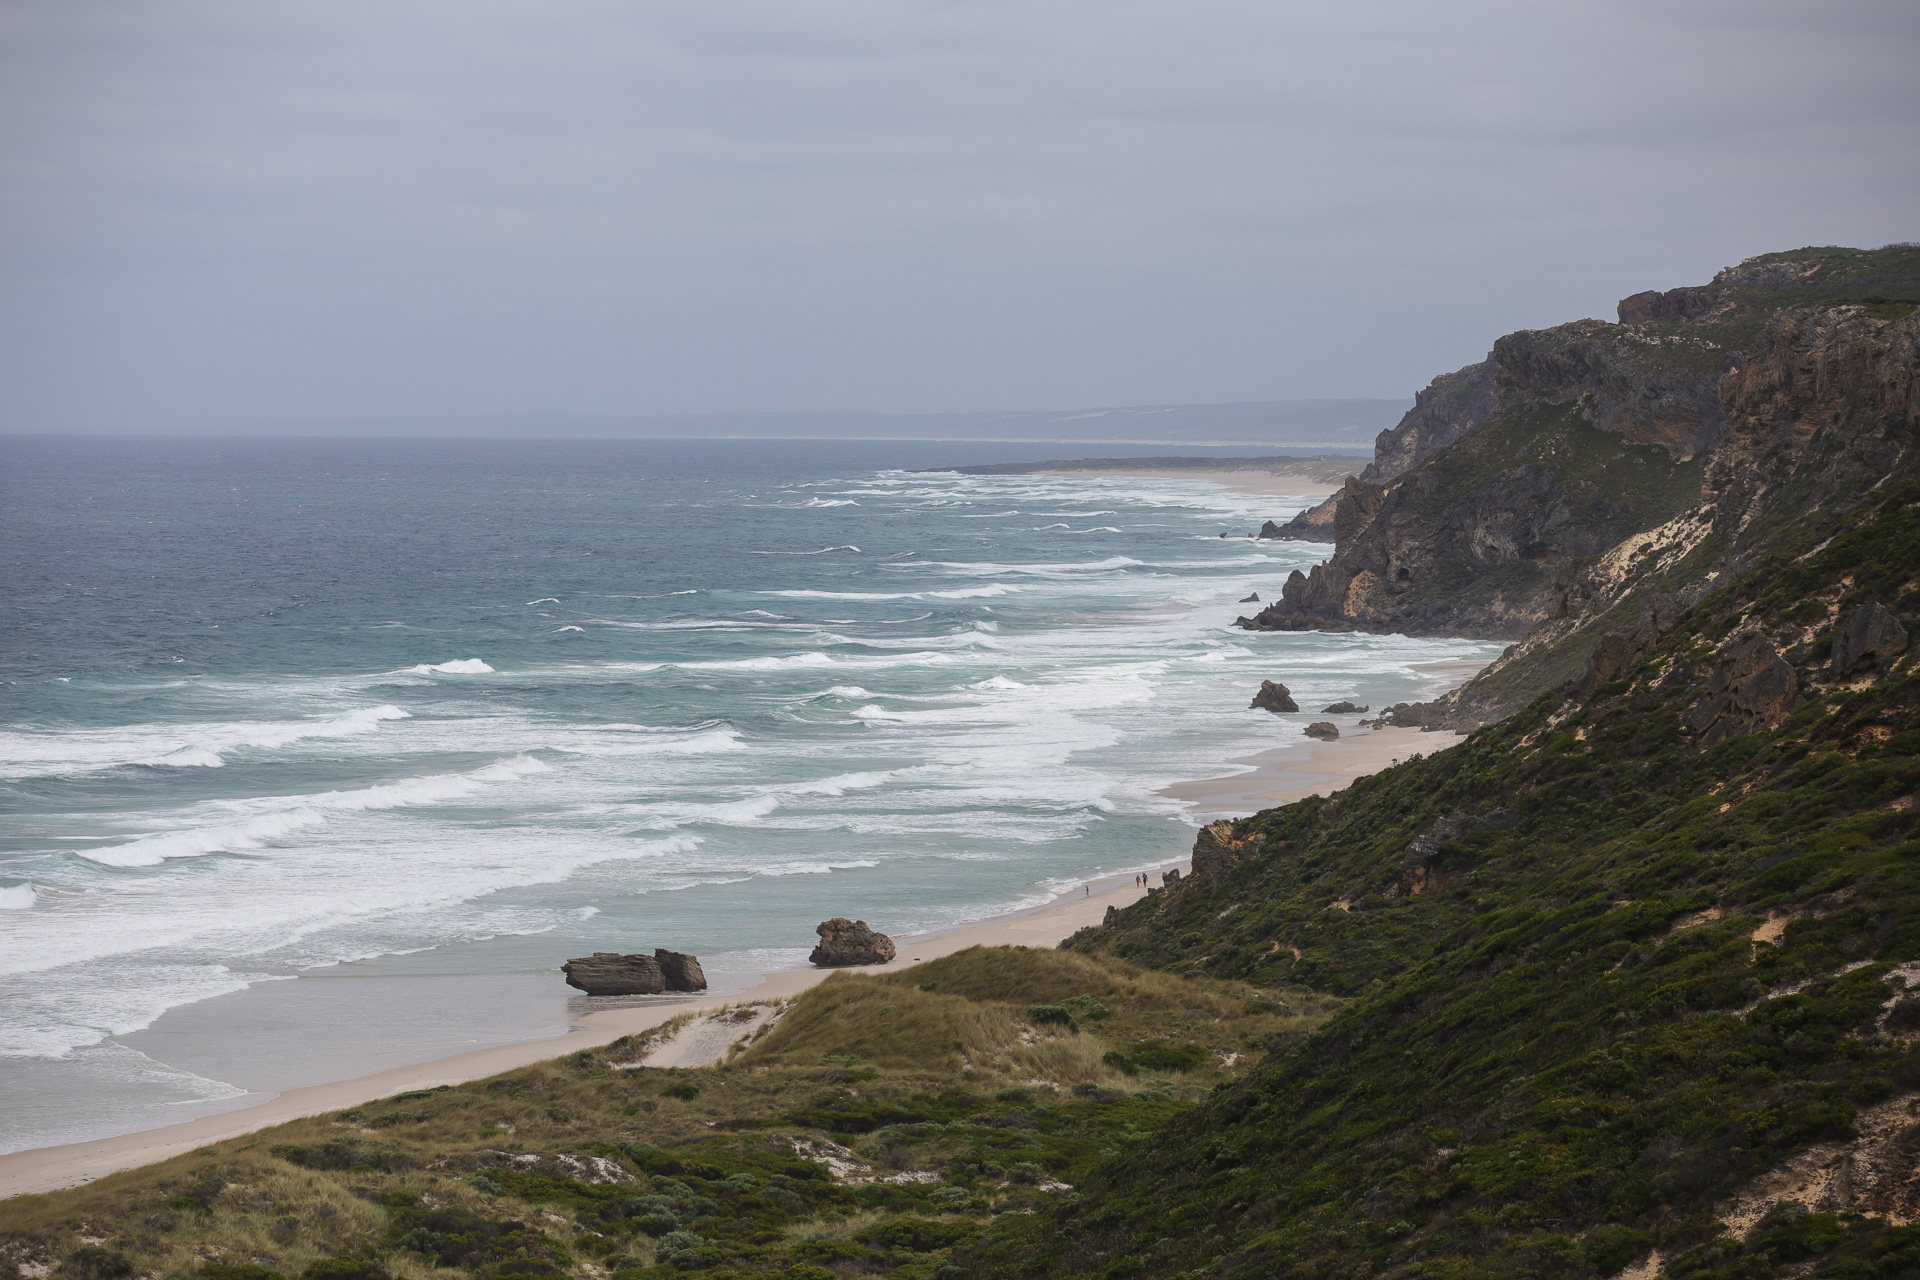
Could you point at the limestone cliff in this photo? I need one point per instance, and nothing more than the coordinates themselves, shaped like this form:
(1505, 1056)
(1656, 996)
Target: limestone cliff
(1623, 468)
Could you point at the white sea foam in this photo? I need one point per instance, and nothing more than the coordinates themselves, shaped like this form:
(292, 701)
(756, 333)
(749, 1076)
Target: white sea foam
(841, 783)
(17, 897)
(41, 753)
(944, 769)
(816, 868)
(822, 551)
(458, 667)
(285, 816)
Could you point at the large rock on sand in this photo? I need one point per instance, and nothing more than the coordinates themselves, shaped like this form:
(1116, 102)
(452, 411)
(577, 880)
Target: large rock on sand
(682, 971)
(608, 973)
(847, 942)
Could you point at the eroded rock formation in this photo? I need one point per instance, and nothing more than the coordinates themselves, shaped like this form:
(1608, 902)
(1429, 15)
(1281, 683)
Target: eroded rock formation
(681, 971)
(1273, 697)
(1325, 730)
(608, 973)
(850, 942)
(1423, 870)
(1217, 851)
(1871, 631)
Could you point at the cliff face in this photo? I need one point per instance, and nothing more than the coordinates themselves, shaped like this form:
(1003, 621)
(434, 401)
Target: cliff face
(1600, 956)
(1620, 465)
(1448, 408)
(1823, 413)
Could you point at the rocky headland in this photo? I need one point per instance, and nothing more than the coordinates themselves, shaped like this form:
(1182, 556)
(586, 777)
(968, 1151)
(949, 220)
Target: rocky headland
(1598, 478)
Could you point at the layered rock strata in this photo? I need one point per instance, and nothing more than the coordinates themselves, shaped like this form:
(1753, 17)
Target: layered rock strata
(609, 973)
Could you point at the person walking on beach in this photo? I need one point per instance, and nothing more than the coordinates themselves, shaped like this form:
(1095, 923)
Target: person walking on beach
(1086, 890)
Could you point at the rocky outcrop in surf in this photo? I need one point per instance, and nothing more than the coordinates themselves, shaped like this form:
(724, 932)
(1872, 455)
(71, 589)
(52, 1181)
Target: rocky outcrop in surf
(1273, 697)
(846, 942)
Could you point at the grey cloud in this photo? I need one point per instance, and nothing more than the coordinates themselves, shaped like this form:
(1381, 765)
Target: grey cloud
(227, 211)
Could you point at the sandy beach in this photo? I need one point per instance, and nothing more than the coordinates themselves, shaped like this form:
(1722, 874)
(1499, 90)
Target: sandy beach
(1273, 777)
(50, 1168)
(1286, 774)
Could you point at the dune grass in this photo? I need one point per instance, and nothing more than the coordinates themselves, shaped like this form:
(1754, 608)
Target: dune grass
(592, 1167)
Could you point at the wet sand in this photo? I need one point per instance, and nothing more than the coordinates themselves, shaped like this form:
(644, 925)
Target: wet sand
(50, 1168)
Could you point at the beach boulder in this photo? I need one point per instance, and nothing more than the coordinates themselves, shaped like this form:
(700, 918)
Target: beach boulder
(849, 942)
(1342, 709)
(608, 973)
(1325, 730)
(1252, 599)
(1273, 697)
(681, 971)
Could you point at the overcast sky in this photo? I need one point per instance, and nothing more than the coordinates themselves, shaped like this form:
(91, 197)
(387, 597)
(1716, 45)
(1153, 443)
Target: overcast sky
(221, 211)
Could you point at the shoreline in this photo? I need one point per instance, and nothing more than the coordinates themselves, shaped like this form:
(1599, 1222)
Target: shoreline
(1275, 776)
(41, 1169)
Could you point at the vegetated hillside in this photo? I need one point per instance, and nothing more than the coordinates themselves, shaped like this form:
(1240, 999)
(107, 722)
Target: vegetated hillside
(1629, 975)
(1521, 497)
(882, 1120)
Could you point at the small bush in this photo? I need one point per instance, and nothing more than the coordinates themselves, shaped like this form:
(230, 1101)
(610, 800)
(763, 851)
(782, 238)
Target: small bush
(92, 1262)
(236, 1271)
(1054, 1014)
(682, 1249)
(345, 1269)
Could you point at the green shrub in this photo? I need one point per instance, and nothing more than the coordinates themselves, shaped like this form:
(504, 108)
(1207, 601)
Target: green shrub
(93, 1262)
(345, 1269)
(1054, 1014)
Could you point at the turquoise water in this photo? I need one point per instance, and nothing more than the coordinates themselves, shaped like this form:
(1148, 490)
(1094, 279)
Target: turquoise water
(322, 755)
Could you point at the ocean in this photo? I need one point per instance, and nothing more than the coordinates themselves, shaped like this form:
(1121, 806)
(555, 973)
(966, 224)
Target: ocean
(319, 756)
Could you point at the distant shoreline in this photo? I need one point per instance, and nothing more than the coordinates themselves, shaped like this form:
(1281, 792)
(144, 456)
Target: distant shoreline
(1314, 477)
